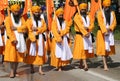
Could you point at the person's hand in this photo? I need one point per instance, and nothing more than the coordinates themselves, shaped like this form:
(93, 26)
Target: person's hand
(87, 36)
(34, 29)
(106, 33)
(2, 26)
(108, 29)
(14, 42)
(60, 41)
(14, 28)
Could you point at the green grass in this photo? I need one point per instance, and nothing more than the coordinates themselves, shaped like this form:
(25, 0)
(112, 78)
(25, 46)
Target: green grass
(117, 33)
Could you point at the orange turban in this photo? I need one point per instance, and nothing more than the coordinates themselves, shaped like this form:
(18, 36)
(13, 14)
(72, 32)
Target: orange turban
(83, 6)
(106, 2)
(59, 11)
(15, 7)
(35, 9)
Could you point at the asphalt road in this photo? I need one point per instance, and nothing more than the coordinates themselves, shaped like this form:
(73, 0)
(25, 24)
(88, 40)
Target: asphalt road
(71, 72)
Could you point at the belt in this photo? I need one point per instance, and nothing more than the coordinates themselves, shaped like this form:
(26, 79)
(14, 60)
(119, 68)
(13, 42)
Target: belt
(79, 33)
(99, 28)
(37, 37)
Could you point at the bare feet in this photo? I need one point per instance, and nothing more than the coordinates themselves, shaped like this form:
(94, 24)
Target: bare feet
(59, 69)
(17, 75)
(41, 73)
(12, 75)
(106, 69)
(85, 69)
(81, 67)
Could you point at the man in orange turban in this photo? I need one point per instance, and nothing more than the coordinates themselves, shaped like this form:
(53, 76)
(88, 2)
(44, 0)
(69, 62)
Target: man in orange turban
(15, 47)
(83, 41)
(105, 38)
(36, 50)
(60, 53)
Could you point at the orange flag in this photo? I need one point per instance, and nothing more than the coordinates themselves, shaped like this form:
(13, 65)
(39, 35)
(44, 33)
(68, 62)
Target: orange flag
(2, 6)
(28, 5)
(50, 10)
(69, 10)
(2, 17)
(5, 3)
(95, 6)
(75, 2)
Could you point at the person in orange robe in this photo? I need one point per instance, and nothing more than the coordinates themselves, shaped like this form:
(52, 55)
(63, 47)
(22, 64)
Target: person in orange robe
(15, 46)
(83, 25)
(105, 38)
(35, 43)
(60, 52)
(2, 28)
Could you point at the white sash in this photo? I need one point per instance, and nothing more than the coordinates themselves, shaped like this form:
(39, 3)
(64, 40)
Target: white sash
(1, 41)
(21, 46)
(87, 41)
(109, 40)
(40, 42)
(63, 50)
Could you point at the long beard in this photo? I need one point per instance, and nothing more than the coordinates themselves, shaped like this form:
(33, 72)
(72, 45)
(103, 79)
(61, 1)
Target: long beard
(84, 15)
(61, 21)
(107, 15)
(36, 18)
(16, 18)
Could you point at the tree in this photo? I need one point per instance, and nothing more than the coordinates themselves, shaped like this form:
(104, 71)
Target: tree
(39, 2)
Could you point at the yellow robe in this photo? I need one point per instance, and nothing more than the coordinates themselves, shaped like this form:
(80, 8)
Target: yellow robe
(11, 54)
(100, 42)
(35, 60)
(56, 62)
(78, 51)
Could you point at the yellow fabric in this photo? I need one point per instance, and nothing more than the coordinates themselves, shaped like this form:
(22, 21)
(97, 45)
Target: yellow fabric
(106, 2)
(83, 6)
(78, 51)
(35, 9)
(100, 42)
(36, 60)
(59, 11)
(40, 29)
(56, 62)
(15, 7)
(11, 54)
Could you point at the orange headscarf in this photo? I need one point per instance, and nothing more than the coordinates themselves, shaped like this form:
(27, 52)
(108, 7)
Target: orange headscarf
(83, 6)
(106, 2)
(59, 11)
(15, 7)
(35, 9)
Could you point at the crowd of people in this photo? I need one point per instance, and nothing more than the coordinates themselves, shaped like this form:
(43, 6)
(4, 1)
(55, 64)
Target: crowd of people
(28, 40)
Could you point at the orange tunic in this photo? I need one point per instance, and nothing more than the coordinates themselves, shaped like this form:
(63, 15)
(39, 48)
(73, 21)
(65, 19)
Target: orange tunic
(100, 42)
(78, 51)
(36, 60)
(11, 54)
(57, 62)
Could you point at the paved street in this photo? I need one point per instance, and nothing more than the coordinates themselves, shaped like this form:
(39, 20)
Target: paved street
(71, 72)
